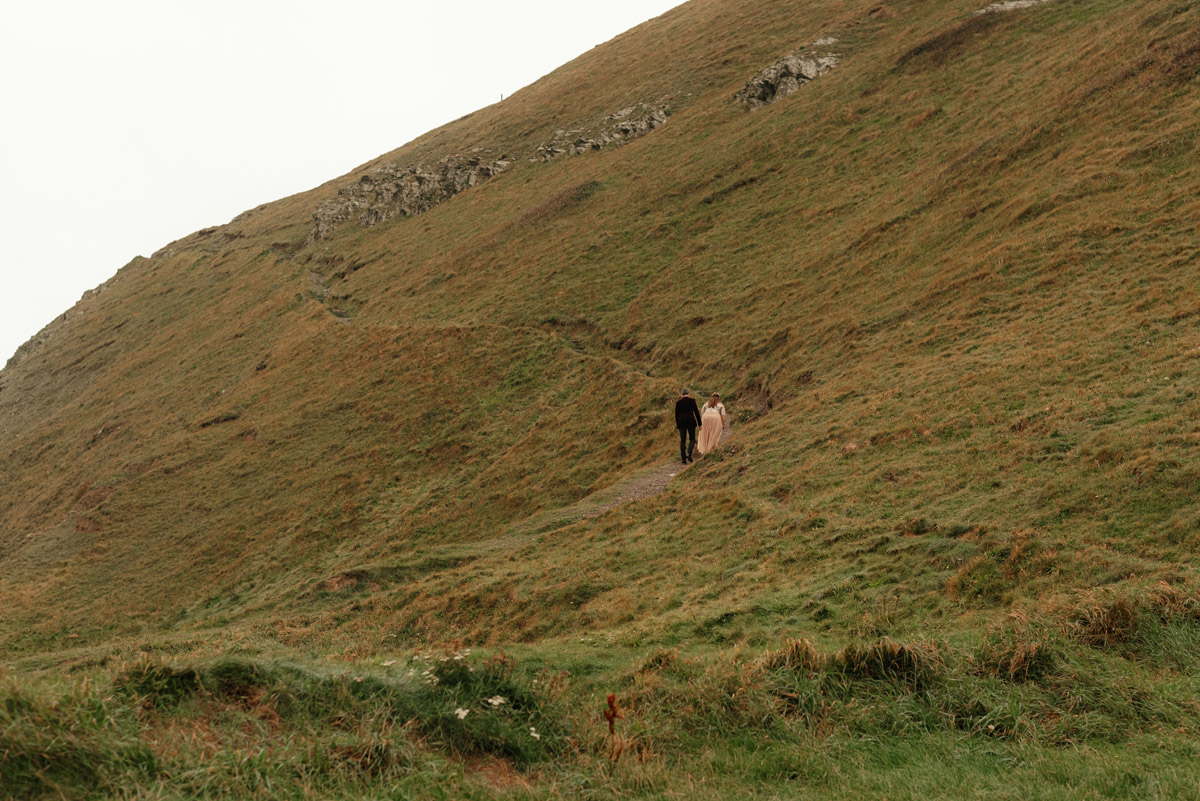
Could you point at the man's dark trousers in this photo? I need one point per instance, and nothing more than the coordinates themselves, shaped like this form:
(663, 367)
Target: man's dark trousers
(687, 418)
(687, 442)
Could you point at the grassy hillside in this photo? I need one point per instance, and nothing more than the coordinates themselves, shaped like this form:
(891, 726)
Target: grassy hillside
(949, 292)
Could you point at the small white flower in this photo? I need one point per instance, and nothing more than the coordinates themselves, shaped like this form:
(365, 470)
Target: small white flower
(461, 713)
(534, 733)
(496, 700)
(388, 663)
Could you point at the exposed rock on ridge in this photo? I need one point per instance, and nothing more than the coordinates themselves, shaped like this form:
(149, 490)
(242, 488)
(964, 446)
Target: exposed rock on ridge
(412, 189)
(407, 190)
(616, 129)
(788, 74)
(1009, 5)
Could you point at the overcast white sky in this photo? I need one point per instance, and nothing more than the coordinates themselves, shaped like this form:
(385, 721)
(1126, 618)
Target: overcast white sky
(127, 124)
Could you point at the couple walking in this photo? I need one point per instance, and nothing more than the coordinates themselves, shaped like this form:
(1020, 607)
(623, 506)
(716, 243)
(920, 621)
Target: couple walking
(688, 418)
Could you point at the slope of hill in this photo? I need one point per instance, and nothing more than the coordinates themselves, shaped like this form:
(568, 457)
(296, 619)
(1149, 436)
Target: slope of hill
(948, 287)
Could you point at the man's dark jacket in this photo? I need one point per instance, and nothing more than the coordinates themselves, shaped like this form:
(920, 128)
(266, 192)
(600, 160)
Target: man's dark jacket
(687, 413)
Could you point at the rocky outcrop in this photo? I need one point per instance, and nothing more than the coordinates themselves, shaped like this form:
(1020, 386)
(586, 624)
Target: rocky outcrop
(1009, 5)
(789, 73)
(405, 190)
(614, 130)
(411, 189)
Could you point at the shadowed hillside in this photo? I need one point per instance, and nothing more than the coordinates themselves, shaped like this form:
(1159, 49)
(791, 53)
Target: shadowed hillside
(944, 273)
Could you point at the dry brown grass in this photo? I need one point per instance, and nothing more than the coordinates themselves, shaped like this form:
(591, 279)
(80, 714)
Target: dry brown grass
(993, 308)
(942, 48)
(1102, 621)
(559, 202)
(1175, 60)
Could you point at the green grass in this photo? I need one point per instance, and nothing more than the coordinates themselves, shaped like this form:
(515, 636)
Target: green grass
(1096, 699)
(235, 727)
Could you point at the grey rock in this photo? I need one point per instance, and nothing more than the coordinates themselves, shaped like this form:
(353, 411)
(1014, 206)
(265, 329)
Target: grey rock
(1009, 5)
(787, 75)
(404, 190)
(616, 129)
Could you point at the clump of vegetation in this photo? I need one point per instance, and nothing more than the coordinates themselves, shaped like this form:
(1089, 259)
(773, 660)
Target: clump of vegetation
(1015, 652)
(1105, 622)
(796, 655)
(487, 708)
(911, 664)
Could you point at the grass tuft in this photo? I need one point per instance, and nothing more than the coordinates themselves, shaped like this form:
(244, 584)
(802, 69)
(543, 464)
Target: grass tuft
(912, 664)
(1015, 653)
(1101, 622)
(796, 655)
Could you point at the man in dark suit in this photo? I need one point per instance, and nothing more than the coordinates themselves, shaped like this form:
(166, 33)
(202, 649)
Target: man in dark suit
(687, 420)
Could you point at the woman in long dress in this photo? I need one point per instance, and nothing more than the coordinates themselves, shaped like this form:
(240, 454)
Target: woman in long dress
(712, 423)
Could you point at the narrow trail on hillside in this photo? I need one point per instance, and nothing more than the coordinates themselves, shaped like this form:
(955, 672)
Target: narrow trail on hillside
(646, 485)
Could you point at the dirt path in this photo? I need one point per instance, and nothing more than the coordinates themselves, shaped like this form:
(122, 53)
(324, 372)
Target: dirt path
(646, 485)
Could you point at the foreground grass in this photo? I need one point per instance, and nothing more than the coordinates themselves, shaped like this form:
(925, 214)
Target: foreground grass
(1096, 698)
